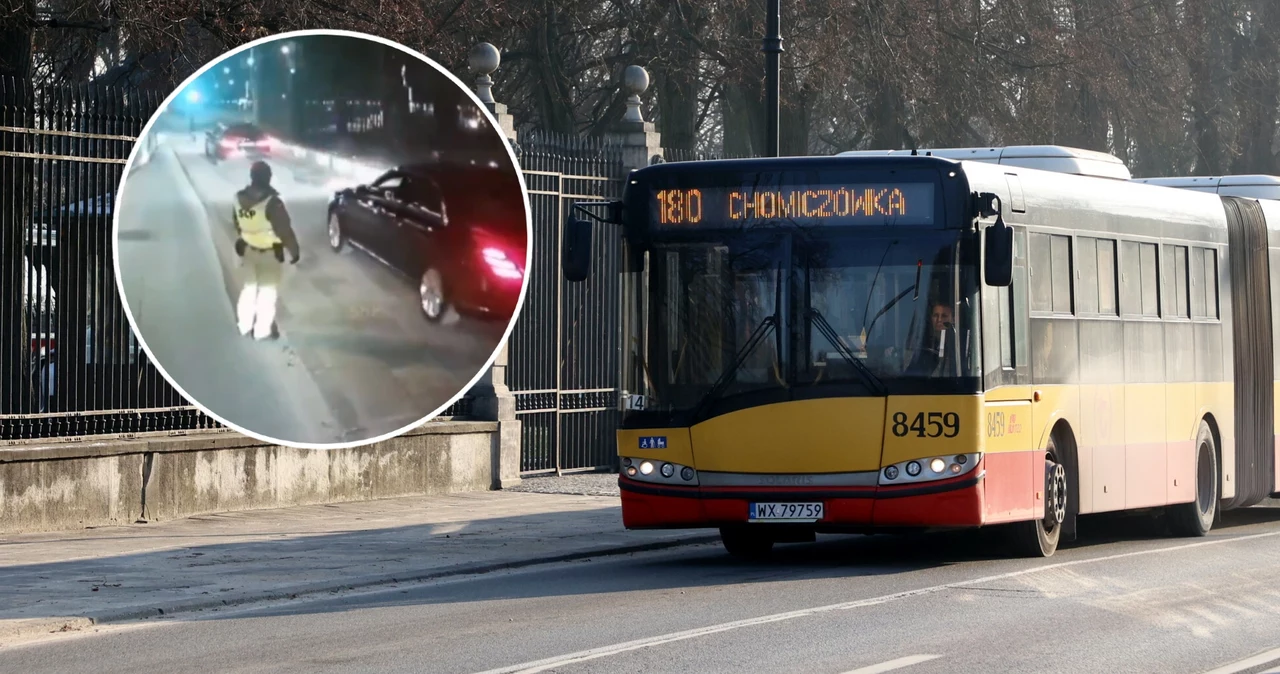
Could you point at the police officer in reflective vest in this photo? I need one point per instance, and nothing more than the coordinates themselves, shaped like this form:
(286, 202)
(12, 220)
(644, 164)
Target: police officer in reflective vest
(264, 233)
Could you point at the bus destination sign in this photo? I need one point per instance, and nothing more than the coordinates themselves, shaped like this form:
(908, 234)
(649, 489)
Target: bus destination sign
(847, 204)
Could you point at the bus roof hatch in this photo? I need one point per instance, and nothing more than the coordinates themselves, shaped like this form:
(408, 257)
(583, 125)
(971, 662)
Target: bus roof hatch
(1053, 158)
(1248, 186)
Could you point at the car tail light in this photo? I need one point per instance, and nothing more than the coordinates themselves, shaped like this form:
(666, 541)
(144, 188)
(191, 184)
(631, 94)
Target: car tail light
(501, 265)
(499, 256)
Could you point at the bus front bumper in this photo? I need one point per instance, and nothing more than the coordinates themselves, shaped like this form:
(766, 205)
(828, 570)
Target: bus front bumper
(956, 502)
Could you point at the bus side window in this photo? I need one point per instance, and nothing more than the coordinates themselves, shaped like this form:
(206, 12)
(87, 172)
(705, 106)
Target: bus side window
(1010, 310)
(1005, 298)
(1204, 283)
(1174, 271)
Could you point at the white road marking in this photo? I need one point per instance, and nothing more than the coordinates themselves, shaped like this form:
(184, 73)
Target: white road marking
(1249, 663)
(615, 649)
(894, 664)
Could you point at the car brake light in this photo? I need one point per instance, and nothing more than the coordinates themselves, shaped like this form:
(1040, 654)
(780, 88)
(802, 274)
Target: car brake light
(501, 265)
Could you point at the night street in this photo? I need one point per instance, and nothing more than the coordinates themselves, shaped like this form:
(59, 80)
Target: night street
(356, 359)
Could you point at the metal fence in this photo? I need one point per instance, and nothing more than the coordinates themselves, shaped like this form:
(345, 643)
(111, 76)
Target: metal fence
(69, 364)
(563, 352)
(70, 367)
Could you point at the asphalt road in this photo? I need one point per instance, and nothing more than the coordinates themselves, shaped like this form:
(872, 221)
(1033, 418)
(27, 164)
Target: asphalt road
(356, 359)
(1126, 598)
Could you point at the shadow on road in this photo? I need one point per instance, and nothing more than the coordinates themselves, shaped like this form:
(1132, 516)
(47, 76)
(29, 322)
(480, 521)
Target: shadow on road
(267, 562)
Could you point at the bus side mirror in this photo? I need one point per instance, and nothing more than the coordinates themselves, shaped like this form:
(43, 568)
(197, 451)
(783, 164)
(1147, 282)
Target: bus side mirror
(997, 254)
(576, 258)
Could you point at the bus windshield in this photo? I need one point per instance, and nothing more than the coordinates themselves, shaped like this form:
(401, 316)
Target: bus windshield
(759, 316)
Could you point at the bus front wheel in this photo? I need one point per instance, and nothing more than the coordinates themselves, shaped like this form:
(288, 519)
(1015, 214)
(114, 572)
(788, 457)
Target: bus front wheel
(1196, 518)
(1040, 537)
(746, 543)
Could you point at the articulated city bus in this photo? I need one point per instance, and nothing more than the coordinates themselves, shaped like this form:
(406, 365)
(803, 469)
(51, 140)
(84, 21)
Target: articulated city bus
(886, 342)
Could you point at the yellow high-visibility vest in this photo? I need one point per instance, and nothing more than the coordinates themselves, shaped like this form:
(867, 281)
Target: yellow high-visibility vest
(255, 228)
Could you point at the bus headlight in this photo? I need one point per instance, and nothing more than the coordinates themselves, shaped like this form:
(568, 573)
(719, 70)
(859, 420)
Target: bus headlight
(659, 472)
(940, 468)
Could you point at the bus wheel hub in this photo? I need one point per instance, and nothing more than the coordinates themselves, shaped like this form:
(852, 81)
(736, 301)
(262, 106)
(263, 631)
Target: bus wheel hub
(1055, 507)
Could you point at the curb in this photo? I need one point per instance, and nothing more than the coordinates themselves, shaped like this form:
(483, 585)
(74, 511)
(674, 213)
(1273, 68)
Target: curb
(29, 627)
(38, 626)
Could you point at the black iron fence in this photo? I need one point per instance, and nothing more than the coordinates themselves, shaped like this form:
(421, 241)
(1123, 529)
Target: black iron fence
(69, 364)
(563, 352)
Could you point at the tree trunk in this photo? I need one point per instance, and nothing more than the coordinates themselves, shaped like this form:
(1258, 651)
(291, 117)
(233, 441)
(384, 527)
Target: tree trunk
(1259, 93)
(742, 105)
(1207, 107)
(554, 95)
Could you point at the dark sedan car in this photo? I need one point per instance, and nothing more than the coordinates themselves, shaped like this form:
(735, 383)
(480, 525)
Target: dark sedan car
(457, 230)
(238, 140)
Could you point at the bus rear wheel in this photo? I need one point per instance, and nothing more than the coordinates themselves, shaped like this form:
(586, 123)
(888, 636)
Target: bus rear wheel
(746, 543)
(1039, 538)
(1196, 518)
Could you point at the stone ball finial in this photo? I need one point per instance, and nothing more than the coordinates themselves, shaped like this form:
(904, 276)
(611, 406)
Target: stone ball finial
(484, 59)
(636, 80)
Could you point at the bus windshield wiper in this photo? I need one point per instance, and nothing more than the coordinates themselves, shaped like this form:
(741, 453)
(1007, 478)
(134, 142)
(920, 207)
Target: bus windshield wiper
(893, 302)
(757, 337)
(873, 382)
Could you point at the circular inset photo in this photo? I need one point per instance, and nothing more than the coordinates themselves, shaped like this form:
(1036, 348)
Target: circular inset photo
(322, 239)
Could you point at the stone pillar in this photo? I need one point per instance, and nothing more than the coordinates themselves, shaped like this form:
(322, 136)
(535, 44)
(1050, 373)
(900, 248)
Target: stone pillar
(484, 60)
(491, 399)
(641, 142)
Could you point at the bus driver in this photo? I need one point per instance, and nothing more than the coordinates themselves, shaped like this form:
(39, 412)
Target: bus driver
(928, 358)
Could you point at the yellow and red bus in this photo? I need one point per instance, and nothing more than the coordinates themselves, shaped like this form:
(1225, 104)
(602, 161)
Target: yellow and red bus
(886, 342)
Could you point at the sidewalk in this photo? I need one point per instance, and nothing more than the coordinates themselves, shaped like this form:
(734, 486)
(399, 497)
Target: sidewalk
(68, 581)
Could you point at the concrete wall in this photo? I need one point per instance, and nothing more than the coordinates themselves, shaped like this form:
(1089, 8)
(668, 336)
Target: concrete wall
(67, 486)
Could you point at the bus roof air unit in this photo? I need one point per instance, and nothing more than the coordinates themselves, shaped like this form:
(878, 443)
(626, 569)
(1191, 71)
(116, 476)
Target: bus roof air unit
(1053, 158)
(1248, 186)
